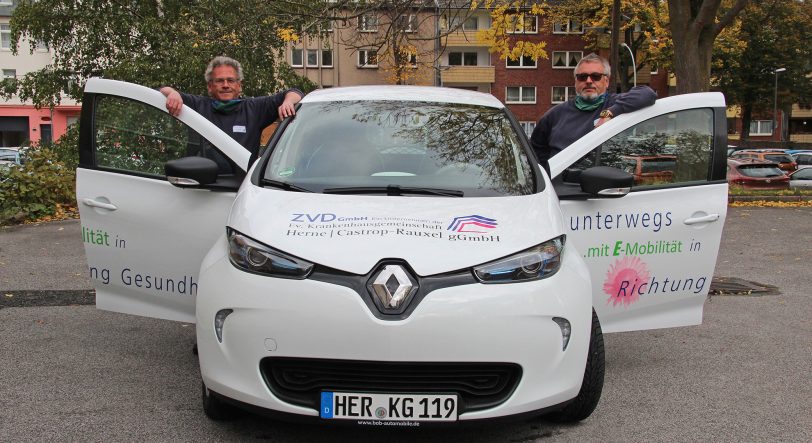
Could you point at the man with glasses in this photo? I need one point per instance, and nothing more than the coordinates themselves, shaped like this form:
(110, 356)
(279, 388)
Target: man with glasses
(241, 118)
(592, 107)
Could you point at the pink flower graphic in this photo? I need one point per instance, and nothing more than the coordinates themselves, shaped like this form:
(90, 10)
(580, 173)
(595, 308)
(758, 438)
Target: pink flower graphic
(623, 280)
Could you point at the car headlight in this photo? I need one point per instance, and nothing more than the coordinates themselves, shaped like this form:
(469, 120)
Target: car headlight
(252, 256)
(538, 262)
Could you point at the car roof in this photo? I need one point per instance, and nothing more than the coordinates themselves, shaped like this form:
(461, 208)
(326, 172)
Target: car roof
(764, 150)
(403, 93)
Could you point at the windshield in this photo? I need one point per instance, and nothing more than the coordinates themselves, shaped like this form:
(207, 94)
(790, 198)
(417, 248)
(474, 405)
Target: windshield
(778, 158)
(372, 147)
(760, 171)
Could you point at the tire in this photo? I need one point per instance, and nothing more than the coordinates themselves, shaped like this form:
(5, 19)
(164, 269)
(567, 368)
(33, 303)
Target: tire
(590, 394)
(215, 408)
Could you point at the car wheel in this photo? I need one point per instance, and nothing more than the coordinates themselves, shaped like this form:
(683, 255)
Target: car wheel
(592, 386)
(215, 408)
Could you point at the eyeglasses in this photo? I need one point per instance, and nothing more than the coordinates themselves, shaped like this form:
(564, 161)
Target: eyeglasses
(595, 76)
(222, 81)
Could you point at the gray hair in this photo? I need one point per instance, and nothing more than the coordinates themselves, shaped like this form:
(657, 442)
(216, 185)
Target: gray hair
(595, 58)
(223, 61)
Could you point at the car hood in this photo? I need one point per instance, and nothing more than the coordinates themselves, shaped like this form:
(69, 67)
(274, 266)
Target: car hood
(433, 234)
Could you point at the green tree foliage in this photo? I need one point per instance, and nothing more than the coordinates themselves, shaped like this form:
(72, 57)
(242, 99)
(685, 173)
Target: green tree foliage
(773, 34)
(34, 189)
(151, 42)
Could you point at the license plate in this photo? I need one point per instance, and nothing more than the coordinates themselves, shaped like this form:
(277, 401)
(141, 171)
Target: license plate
(389, 407)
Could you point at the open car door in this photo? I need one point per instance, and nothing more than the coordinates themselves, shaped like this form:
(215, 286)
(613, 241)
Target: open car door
(144, 237)
(651, 253)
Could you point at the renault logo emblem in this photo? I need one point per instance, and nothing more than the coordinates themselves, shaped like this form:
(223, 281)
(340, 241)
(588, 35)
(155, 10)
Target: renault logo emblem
(392, 287)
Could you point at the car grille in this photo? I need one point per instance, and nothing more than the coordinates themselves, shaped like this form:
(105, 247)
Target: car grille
(479, 385)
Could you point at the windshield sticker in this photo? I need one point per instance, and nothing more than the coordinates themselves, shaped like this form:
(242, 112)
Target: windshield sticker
(471, 228)
(287, 172)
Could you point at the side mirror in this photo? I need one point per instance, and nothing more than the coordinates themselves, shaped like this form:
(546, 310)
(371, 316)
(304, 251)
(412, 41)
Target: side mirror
(604, 181)
(189, 172)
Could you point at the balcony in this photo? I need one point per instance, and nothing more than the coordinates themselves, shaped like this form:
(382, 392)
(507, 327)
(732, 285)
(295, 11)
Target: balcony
(464, 39)
(468, 74)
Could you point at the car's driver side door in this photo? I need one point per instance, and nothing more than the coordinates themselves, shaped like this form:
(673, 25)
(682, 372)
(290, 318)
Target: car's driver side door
(145, 238)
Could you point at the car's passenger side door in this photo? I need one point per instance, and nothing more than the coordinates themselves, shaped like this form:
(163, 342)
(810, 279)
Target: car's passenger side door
(145, 238)
(651, 253)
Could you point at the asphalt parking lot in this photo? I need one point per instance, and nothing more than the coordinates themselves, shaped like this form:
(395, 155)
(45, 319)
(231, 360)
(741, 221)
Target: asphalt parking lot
(70, 372)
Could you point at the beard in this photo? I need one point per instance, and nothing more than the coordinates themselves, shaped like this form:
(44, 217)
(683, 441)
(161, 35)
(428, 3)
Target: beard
(589, 95)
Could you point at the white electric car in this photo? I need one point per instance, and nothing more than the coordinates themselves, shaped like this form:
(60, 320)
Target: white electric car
(396, 255)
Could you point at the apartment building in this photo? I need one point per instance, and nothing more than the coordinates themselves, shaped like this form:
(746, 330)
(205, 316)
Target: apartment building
(460, 60)
(21, 122)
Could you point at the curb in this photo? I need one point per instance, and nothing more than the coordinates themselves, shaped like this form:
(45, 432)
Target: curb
(769, 198)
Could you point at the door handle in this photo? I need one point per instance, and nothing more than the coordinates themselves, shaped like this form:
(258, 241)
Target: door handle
(98, 204)
(703, 219)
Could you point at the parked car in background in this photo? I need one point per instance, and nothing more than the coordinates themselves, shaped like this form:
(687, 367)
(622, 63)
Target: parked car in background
(802, 157)
(9, 157)
(801, 178)
(650, 169)
(755, 174)
(778, 156)
(10, 154)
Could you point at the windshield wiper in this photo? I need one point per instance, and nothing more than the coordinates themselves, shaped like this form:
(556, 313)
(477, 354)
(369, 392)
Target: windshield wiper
(394, 190)
(282, 185)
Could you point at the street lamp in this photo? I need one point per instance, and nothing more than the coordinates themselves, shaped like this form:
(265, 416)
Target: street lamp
(634, 66)
(775, 101)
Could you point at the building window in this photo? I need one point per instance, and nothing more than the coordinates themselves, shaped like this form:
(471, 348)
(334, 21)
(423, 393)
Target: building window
(462, 58)
(5, 36)
(296, 58)
(520, 94)
(368, 23)
(411, 60)
(568, 27)
(761, 127)
(9, 73)
(408, 22)
(524, 61)
(528, 127)
(470, 24)
(654, 70)
(327, 58)
(566, 59)
(522, 24)
(312, 58)
(562, 93)
(367, 58)
(453, 22)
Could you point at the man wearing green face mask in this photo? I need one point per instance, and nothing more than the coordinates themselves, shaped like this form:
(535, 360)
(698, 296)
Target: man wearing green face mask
(592, 107)
(243, 118)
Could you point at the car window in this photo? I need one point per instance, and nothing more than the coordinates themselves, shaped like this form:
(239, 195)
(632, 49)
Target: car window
(672, 148)
(760, 171)
(467, 148)
(135, 137)
(803, 174)
(803, 159)
(778, 158)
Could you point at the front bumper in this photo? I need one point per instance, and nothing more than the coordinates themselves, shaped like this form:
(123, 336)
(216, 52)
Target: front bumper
(508, 324)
